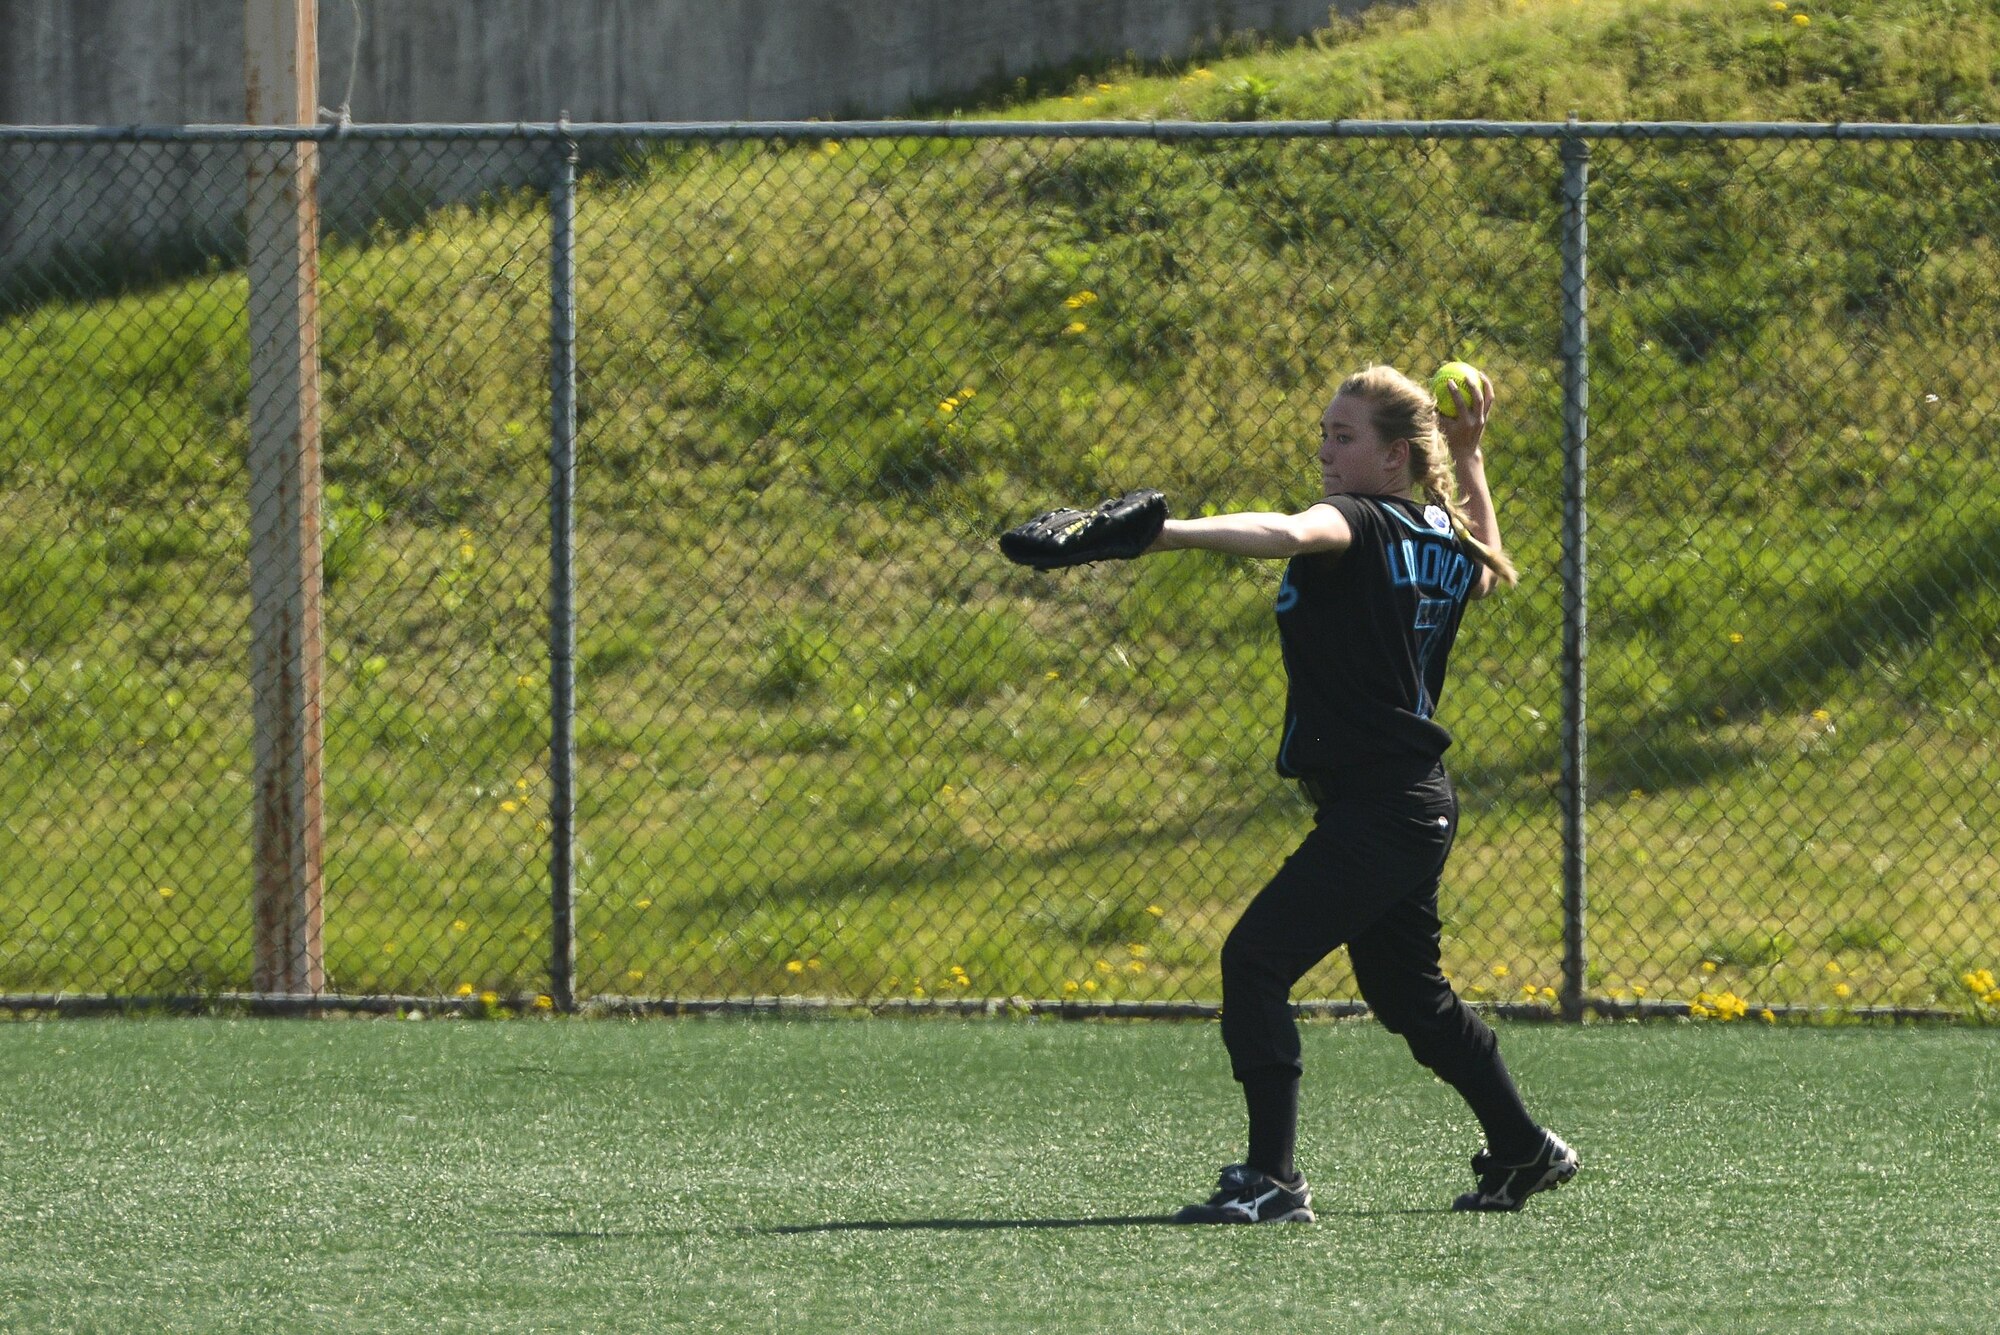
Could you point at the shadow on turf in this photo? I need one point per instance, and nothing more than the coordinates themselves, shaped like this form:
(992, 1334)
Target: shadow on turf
(1103, 1221)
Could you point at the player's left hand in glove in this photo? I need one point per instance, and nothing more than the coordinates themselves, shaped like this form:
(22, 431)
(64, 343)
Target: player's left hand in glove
(1116, 530)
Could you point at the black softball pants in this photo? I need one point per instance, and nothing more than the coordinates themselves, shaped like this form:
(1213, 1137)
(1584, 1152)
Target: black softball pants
(1367, 877)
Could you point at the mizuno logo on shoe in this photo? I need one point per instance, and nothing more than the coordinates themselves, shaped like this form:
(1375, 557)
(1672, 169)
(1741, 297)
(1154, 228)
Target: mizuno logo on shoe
(1251, 1209)
(1244, 1196)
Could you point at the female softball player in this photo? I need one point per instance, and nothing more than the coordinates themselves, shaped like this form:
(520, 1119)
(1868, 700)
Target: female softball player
(1375, 582)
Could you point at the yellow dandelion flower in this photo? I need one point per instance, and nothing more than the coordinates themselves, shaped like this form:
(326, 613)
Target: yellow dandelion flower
(466, 551)
(1501, 971)
(1103, 966)
(1638, 989)
(510, 806)
(1822, 716)
(1698, 1011)
(642, 903)
(1075, 327)
(1155, 910)
(1090, 984)
(1548, 994)
(388, 947)
(1833, 967)
(1736, 637)
(1731, 1007)
(1079, 300)
(918, 992)
(1136, 966)
(635, 975)
(1843, 991)
(948, 407)
(1992, 998)
(795, 966)
(1779, 6)
(1767, 1015)
(544, 1002)
(527, 681)
(1708, 966)
(1070, 987)
(489, 998)
(460, 925)
(1136, 951)
(1528, 991)
(813, 963)
(465, 989)
(967, 393)
(1052, 676)
(166, 892)
(1801, 20)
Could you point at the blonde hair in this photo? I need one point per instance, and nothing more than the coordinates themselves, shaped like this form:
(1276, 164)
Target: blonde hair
(1402, 409)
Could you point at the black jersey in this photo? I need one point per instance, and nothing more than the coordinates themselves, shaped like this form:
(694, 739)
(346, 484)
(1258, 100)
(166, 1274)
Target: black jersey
(1366, 634)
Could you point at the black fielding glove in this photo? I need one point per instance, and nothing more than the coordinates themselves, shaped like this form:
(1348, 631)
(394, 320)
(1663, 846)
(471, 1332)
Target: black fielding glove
(1116, 530)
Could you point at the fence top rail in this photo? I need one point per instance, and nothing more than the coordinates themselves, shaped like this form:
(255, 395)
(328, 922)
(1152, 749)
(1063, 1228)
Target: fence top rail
(565, 131)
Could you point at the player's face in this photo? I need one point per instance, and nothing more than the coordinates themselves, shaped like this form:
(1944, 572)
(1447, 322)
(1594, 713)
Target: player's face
(1353, 457)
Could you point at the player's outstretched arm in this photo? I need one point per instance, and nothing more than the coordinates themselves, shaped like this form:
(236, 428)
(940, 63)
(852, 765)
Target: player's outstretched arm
(1258, 533)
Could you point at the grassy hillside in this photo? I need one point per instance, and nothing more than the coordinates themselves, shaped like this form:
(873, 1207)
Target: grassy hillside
(829, 743)
(1707, 60)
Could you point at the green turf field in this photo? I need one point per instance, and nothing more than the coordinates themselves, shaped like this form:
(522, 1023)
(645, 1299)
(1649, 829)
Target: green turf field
(730, 1175)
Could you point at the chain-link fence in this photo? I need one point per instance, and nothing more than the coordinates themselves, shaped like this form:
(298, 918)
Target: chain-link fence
(824, 743)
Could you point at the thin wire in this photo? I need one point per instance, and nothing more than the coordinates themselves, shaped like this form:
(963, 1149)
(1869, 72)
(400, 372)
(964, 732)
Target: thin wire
(344, 115)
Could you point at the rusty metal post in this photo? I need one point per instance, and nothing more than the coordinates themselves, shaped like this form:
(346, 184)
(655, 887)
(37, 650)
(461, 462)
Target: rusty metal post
(562, 580)
(1575, 569)
(281, 87)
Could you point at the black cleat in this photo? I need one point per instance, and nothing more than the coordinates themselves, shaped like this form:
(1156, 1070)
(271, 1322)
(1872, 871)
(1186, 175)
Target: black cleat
(1508, 1186)
(1247, 1196)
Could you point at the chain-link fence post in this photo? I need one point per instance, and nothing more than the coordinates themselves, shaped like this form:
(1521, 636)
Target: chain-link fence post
(1576, 424)
(562, 579)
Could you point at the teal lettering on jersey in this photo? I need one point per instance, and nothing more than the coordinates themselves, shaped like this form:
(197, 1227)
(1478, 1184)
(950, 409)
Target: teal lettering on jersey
(1432, 567)
(1288, 593)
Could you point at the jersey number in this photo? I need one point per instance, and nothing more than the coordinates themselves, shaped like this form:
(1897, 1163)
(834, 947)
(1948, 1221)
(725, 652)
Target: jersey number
(1433, 614)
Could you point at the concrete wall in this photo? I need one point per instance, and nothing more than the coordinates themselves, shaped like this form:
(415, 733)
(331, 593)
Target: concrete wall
(181, 61)
(89, 211)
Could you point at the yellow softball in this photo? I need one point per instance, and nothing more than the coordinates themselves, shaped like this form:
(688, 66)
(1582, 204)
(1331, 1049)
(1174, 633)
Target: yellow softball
(1465, 374)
